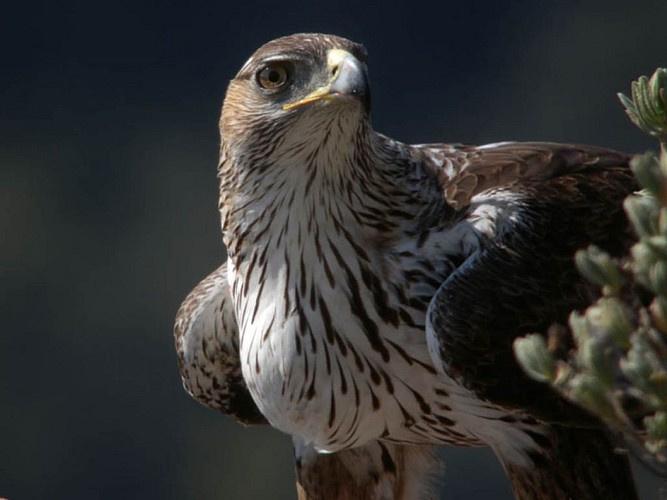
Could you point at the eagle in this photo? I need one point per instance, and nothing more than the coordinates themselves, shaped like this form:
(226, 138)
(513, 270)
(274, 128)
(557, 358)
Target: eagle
(372, 289)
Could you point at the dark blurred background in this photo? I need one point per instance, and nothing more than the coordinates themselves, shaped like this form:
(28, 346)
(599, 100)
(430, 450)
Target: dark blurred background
(108, 150)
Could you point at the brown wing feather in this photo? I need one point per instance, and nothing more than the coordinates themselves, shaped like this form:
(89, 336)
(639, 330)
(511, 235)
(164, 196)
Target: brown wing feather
(476, 169)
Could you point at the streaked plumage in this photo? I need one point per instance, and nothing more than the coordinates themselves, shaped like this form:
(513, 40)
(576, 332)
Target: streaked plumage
(206, 336)
(373, 289)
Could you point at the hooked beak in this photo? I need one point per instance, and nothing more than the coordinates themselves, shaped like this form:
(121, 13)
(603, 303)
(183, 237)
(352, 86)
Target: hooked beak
(348, 79)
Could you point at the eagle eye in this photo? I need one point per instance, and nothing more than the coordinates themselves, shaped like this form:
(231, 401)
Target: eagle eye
(273, 76)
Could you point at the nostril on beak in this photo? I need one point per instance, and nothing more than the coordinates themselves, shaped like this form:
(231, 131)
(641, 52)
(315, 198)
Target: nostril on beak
(334, 70)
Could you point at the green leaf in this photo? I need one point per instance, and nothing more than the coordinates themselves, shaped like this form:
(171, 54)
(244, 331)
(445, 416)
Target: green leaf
(658, 278)
(649, 174)
(589, 392)
(534, 357)
(647, 108)
(643, 214)
(598, 268)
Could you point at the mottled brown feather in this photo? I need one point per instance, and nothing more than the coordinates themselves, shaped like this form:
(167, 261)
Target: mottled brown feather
(508, 164)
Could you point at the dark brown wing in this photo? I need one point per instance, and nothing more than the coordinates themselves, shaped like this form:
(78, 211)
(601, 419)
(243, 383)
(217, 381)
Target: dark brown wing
(522, 279)
(573, 463)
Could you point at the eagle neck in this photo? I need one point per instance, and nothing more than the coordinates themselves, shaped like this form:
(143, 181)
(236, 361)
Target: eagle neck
(362, 180)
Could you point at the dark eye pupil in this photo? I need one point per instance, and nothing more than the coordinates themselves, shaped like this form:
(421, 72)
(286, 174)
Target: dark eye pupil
(272, 76)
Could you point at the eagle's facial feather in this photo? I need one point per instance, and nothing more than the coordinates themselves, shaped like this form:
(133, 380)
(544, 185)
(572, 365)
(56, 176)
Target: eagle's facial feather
(265, 106)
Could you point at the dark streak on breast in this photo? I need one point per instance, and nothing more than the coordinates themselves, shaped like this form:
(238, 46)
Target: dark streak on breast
(356, 303)
(332, 408)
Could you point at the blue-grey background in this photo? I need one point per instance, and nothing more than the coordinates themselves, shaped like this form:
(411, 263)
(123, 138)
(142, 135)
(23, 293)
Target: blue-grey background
(108, 146)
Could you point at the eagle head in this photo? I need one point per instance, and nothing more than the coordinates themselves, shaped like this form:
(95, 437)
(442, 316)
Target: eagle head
(293, 90)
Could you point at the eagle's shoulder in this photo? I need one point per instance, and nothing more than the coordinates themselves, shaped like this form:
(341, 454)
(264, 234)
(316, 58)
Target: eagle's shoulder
(467, 171)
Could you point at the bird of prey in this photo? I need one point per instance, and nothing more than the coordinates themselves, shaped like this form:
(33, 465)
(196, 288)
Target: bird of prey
(372, 289)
